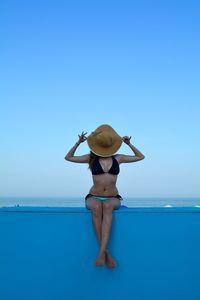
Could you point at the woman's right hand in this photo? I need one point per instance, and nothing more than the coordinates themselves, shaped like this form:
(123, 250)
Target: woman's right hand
(126, 140)
(82, 137)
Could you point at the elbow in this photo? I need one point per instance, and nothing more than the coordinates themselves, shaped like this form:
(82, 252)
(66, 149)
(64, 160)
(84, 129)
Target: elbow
(142, 157)
(69, 158)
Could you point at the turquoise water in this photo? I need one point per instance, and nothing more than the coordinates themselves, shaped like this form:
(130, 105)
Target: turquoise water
(80, 202)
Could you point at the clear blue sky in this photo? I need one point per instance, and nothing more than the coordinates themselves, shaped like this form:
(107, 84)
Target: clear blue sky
(68, 66)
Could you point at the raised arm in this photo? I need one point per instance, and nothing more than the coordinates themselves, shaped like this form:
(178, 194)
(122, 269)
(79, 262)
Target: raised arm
(78, 159)
(130, 158)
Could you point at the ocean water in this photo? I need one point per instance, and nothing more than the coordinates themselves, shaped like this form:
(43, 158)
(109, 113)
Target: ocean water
(80, 202)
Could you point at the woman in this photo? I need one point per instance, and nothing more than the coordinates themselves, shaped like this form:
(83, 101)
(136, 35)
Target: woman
(103, 196)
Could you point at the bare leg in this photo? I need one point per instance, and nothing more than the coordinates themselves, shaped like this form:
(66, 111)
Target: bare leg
(97, 224)
(104, 255)
(106, 226)
(97, 210)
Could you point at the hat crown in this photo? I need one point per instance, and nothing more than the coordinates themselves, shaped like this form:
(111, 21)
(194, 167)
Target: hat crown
(104, 139)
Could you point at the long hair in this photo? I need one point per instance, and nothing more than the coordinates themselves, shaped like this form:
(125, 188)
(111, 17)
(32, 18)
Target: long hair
(92, 158)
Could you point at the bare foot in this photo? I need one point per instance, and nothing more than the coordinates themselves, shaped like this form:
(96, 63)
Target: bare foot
(100, 260)
(110, 262)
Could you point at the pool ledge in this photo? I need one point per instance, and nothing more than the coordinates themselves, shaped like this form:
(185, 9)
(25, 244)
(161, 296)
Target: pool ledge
(48, 253)
(84, 210)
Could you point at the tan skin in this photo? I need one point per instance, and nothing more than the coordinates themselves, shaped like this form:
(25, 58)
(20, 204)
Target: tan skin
(104, 185)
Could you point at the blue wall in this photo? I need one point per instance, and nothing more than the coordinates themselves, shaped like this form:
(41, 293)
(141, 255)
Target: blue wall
(49, 253)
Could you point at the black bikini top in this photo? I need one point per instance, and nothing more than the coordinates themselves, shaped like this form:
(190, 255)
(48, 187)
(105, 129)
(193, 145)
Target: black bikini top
(97, 169)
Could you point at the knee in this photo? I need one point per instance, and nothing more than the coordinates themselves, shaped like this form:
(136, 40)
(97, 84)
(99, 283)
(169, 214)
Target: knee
(97, 210)
(107, 207)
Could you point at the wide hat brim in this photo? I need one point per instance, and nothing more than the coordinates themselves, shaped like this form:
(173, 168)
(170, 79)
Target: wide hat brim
(104, 141)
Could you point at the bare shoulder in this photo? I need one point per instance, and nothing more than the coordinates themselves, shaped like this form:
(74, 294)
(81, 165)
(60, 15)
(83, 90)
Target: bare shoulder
(117, 157)
(122, 158)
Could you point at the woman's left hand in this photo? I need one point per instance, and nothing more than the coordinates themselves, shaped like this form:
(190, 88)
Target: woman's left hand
(82, 137)
(126, 139)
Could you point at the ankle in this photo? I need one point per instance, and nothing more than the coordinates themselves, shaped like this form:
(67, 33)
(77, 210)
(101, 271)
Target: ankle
(103, 250)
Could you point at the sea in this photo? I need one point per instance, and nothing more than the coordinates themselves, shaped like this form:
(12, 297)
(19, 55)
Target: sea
(80, 202)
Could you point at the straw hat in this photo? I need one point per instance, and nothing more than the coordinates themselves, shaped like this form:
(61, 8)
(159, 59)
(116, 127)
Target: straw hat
(104, 141)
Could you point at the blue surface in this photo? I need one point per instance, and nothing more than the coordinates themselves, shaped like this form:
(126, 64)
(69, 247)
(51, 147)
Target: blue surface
(48, 253)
